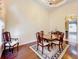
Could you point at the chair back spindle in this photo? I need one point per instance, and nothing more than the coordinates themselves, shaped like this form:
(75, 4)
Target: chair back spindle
(6, 36)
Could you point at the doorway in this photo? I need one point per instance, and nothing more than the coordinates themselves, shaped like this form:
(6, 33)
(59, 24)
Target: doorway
(71, 29)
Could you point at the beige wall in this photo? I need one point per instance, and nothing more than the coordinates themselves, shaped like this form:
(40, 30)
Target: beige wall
(57, 16)
(26, 17)
(2, 10)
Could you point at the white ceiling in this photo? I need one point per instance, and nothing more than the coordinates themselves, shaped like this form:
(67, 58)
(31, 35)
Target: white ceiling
(53, 3)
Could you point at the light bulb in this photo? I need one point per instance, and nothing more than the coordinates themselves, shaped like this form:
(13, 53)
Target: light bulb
(54, 0)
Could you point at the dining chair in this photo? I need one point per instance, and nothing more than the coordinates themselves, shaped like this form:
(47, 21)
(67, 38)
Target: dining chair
(59, 40)
(41, 42)
(9, 42)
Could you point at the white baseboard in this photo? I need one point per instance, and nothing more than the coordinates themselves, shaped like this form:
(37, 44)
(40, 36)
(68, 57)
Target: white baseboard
(27, 42)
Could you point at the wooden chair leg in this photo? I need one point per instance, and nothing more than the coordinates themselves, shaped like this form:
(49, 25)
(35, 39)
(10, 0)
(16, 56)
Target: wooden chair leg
(42, 49)
(59, 48)
(62, 46)
(12, 49)
(51, 45)
(4, 50)
(37, 46)
(4, 47)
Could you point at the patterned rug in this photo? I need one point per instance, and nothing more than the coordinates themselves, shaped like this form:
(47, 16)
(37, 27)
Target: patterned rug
(53, 54)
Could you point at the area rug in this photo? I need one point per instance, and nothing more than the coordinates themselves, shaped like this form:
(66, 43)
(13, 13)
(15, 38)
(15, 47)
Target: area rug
(53, 54)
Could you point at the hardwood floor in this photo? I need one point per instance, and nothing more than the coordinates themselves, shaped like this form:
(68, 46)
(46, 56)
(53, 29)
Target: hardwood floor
(72, 52)
(26, 53)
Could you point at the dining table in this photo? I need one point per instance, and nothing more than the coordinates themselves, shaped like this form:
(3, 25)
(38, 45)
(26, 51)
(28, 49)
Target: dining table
(50, 38)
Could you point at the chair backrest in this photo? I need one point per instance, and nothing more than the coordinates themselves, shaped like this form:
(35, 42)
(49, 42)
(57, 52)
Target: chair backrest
(6, 36)
(41, 34)
(61, 36)
(39, 37)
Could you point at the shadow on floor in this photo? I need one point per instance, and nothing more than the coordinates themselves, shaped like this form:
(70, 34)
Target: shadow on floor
(8, 54)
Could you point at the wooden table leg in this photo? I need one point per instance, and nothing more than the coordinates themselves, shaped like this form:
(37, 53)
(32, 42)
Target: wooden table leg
(17, 46)
(49, 47)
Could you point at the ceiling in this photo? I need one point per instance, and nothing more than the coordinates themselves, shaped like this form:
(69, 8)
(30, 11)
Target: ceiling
(53, 3)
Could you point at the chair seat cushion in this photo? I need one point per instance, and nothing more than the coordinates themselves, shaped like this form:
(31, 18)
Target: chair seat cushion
(13, 42)
(44, 43)
(55, 42)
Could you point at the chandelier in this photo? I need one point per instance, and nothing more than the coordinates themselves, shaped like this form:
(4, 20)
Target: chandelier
(54, 3)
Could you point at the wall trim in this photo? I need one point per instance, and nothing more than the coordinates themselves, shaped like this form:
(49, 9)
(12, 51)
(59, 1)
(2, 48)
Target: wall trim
(27, 42)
